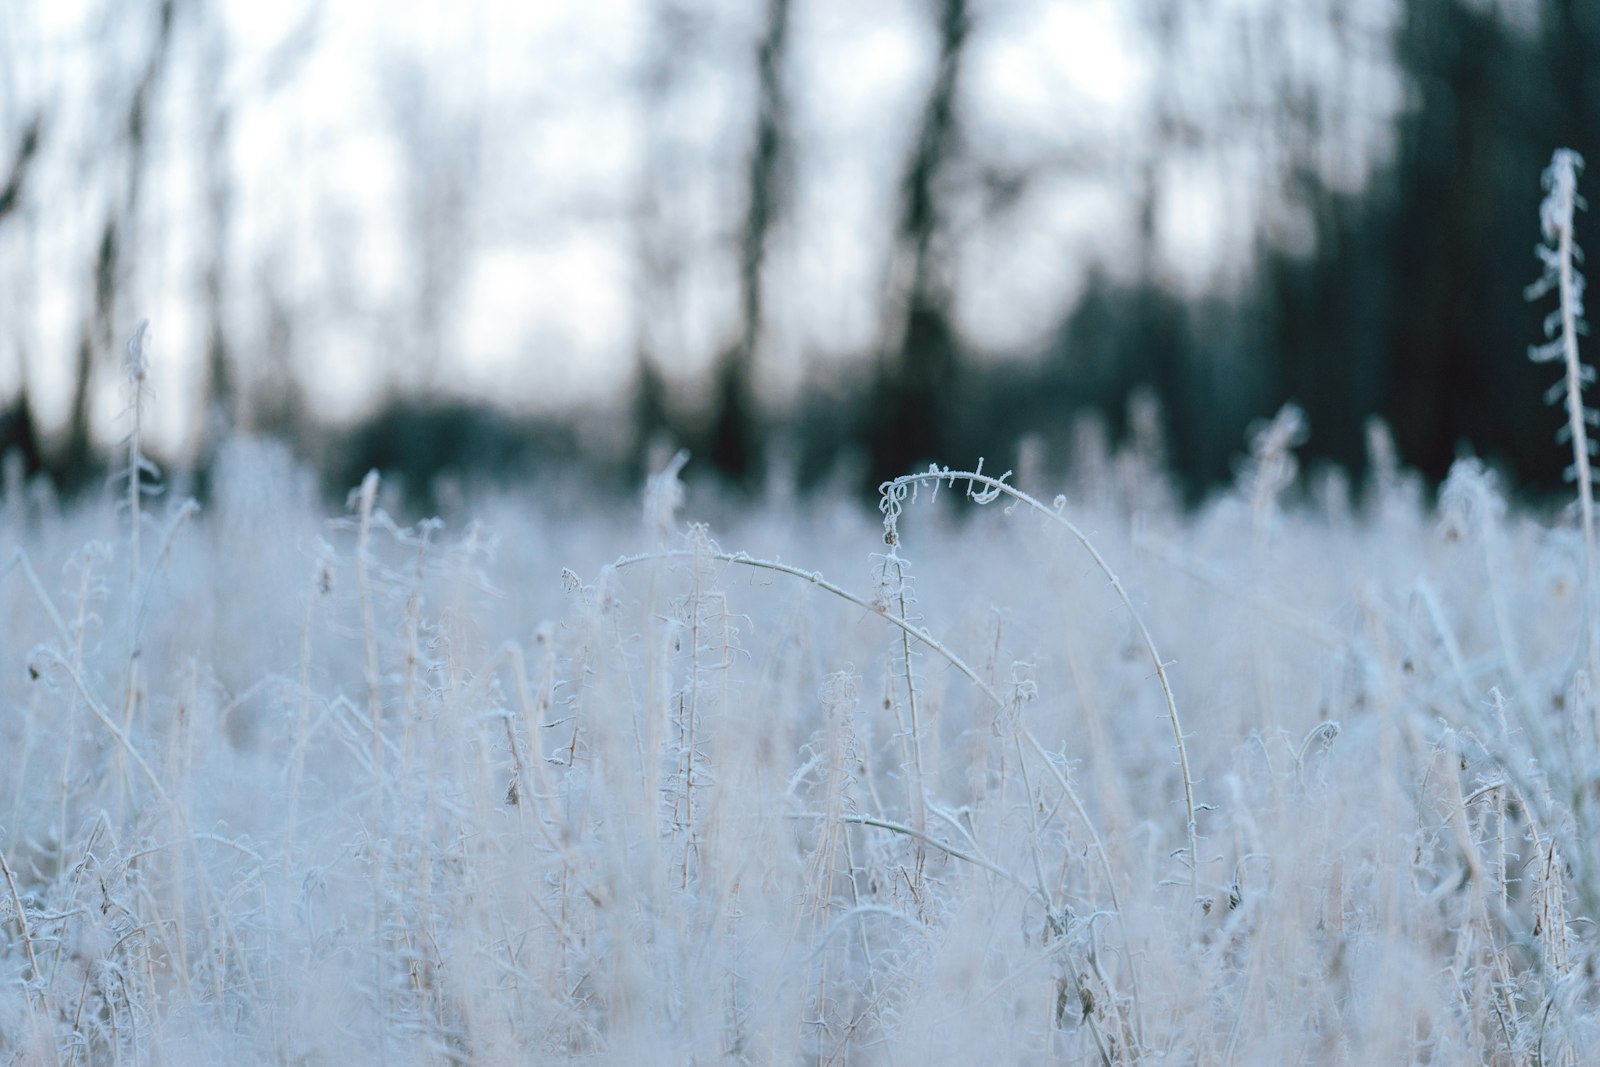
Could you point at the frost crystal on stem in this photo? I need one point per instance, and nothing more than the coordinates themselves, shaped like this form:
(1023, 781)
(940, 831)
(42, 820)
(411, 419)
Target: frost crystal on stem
(1561, 255)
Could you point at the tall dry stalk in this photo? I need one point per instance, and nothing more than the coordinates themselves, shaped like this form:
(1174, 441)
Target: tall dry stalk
(1561, 255)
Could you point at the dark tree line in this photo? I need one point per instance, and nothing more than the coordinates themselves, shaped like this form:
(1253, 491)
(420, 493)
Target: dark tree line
(1405, 304)
(1409, 302)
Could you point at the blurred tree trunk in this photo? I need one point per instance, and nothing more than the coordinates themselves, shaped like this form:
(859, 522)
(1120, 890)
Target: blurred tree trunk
(220, 405)
(913, 412)
(1321, 308)
(97, 332)
(1158, 340)
(736, 444)
(659, 245)
(77, 457)
(19, 432)
(21, 160)
(440, 141)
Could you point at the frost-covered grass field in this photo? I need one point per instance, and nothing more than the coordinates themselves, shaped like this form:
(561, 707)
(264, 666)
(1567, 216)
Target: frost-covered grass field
(1304, 776)
(308, 792)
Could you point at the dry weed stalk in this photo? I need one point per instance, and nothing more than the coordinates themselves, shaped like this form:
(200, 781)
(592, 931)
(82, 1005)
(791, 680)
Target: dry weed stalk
(1561, 256)
(983, 489)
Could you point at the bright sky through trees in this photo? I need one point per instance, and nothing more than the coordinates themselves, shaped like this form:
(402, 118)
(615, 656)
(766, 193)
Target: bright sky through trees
(450, 196)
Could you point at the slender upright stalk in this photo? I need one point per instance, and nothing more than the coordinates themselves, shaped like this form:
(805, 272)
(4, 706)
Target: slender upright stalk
(1560, 255)
(366, 501)
(138, 368)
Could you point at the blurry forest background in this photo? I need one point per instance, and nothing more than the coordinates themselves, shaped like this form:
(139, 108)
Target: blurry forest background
(817, 240)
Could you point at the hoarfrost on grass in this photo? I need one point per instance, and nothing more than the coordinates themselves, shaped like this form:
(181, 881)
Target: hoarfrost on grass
(708, 805)
(291, 790)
